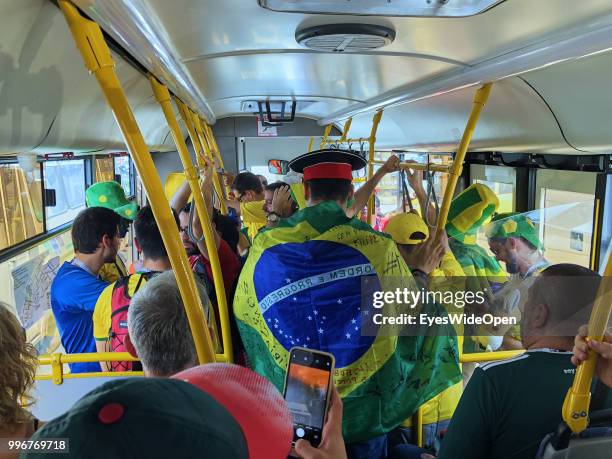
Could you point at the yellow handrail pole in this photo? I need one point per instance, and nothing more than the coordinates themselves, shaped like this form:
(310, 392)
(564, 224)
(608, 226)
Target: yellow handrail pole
(326, 133)
(310, 144)
(480, 99)
(210, 136)
(186, 117)
(4, 213)
(162, 95)
(345, 130)
(372, 140)
(98, 60)
(420, 167)
(576, 405)
(417, 426)
(488, 356)
(208, 150)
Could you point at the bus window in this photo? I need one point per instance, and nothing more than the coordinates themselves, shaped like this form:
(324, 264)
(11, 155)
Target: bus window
(21, 203)
(67, 178)
(501, 179)
(122, 173)
(567, 236)
(104, 169)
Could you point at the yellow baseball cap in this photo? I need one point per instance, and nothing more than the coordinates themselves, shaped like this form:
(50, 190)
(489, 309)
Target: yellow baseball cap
(407, 228)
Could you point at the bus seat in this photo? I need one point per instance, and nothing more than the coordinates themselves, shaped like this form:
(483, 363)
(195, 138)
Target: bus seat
(52, 400)
(595, 442)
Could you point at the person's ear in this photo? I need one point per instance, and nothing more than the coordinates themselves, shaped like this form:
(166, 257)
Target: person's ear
(511, 243)
(129, 346)
(540, 316)
(106, 241)
(306, 191)
(137, 245)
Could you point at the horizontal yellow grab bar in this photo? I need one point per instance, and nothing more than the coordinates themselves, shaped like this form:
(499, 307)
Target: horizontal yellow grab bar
(489, 356)
(88, 357)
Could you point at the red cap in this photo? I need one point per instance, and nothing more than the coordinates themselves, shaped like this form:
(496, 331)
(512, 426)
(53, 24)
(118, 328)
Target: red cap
(254, 402)
(338, 171)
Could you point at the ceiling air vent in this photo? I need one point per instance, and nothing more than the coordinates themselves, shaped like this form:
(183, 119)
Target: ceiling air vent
(345, 38)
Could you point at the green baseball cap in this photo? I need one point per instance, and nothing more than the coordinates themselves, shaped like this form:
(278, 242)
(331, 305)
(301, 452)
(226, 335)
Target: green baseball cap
(112, 196)
(146, 417)
(513, 224)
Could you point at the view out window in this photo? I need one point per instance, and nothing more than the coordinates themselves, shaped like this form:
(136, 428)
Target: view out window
(123, 174)
(67, 178)
(104, 169)
(21, 215)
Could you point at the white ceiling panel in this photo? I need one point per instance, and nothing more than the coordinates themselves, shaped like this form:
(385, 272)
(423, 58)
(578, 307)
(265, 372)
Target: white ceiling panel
(323, 75)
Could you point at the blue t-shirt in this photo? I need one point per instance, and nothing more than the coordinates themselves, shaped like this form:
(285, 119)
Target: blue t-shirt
(74, 293)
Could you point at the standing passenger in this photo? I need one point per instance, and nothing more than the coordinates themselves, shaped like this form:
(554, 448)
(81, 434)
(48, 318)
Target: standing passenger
(302, 286)
(77, 285)
(112, 196)
(110, 313)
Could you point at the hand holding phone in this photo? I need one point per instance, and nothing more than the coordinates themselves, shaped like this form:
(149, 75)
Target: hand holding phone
(307, 392)
(332, 445)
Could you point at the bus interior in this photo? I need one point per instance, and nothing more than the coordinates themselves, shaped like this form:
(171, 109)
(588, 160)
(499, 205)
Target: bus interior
(269, 80)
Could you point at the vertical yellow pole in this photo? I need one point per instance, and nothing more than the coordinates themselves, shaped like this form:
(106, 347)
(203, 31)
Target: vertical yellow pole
(186, 116)
(208, 133)
(480, 99)
(4, 213)
(209, 153)
(98, 60)
(163, 98)
(310, 144)
(417, 426)
(576, 405)
(372, 142)
(20, 200)
(326, 133)
(345, 131)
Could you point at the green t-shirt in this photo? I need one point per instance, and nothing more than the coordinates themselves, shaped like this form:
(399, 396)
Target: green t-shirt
(509, 406)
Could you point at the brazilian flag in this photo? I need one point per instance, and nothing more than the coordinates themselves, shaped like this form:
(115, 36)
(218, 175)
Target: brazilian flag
(302, 286)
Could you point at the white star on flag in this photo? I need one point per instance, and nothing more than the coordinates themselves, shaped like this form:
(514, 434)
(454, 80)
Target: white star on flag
(320, 331)
(275, 325)
(339, 301)
(309, 317)
(294, 299)
(356, 328)
(315, 312)
(348, 336)
(353, 321)
(287, 280)
(324, 317)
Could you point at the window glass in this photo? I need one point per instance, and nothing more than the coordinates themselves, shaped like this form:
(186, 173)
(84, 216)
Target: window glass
(104, 169)
(123, 173)
(21, 200)
(67, 178)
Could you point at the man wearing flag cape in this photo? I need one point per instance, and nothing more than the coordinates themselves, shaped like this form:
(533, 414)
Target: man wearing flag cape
(302, 285)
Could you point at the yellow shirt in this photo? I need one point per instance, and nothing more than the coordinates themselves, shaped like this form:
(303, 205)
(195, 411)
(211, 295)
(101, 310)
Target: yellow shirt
(102, 312)
(102, 319)
(254, 216)
(449, 276)
(111, 272)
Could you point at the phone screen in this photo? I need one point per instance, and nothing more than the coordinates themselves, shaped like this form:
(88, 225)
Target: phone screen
(307, 392)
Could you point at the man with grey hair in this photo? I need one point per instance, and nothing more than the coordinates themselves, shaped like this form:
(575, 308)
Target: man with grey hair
(158, 329)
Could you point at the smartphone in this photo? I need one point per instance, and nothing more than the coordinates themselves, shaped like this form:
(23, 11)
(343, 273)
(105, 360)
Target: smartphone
(307, 392)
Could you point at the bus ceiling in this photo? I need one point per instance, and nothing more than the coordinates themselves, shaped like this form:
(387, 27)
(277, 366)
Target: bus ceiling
(218, 61)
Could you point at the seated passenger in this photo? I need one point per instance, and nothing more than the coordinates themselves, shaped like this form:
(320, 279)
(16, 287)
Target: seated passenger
(77, 286)
(110, 314)
(159, 332)
(302, 286)
(509, 406)
(513, 238)
(18, 362)
(148, 418)
(603, 349)
(112, 196)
